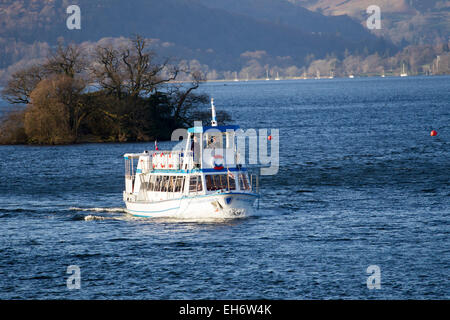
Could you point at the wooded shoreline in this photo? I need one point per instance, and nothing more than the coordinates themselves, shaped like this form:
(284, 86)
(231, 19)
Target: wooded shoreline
(137, 97)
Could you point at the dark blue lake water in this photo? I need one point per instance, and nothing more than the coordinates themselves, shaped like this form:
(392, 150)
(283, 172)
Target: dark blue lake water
(361, 182)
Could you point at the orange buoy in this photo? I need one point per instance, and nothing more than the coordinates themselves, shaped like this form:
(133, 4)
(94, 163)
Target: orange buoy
(269, 138)
(433, 133)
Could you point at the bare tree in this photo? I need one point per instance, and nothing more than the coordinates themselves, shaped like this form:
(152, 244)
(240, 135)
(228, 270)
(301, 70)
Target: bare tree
(142, 73)
(69, 60)
(22, 83)
(107, 70)
(183, 99)
(131, 71)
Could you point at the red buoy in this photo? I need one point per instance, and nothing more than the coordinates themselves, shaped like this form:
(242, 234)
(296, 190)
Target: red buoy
(433, 133)
(269, 138)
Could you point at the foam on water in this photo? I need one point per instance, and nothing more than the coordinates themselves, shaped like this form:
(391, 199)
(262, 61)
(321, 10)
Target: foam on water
(201, 217)
(94, 218)
(98, 209)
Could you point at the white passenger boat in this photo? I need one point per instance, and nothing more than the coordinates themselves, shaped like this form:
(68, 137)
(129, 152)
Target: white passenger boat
(204, 180)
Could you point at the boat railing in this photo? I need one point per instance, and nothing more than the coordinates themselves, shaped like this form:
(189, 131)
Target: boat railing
(254, 182)
(171, 160)
(188, 160)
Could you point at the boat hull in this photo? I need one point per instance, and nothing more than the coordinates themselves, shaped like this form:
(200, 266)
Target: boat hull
(220, 205)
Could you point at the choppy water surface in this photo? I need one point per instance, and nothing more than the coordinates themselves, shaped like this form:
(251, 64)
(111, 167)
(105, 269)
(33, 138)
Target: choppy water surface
(361, 183)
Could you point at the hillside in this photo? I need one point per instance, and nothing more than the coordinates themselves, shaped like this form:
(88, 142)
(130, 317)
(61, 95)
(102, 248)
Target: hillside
(407, 21)
(213, 35)
(282, 12)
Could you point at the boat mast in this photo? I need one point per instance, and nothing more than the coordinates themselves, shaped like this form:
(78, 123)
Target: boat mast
(213, 111)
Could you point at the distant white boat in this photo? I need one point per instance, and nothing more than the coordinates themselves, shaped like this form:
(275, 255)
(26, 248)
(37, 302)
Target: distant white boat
(331, 75)
(351, 76)
(403, 74)
(318, 75)
(267, 75)
(235, 77)
(277, 78)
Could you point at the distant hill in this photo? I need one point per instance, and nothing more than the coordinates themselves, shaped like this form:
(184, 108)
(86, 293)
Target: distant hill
(214, 32)
(410, 21)
(283, 12)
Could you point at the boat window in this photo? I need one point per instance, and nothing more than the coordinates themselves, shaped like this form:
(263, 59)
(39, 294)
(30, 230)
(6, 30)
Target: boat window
(162, 184)
(179, 184)
(220, 182)
(243, 181)
(214, 141)
(151, 183)
(195, 184)
(172, 180)
(165, 184)
(157, 183)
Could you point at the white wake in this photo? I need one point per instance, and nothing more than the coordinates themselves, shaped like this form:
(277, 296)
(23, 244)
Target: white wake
(123, 210)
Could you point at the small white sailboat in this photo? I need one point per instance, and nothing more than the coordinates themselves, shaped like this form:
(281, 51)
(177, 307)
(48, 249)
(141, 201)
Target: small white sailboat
(205, 180)
(236, 77)
(317, 74)
(278, 77)
(403, 74)
(267, 75)
(331, 75)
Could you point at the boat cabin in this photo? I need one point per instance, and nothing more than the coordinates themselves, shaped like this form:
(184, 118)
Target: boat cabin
(208, 164)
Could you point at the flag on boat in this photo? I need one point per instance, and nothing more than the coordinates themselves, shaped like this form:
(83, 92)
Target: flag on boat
(230, 175)
(156, 145)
